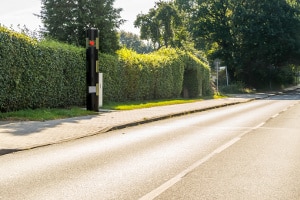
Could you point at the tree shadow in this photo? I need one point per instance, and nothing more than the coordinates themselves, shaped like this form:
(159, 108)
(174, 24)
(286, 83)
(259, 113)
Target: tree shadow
(8, 151)
(23, 128)
(286, 95)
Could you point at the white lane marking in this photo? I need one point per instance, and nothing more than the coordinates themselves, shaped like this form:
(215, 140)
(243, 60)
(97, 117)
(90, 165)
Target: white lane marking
(259, 125)
(225, 146)
(168, 184)
(251, 129)
(274, 116)
(165, 186)
(156, 192)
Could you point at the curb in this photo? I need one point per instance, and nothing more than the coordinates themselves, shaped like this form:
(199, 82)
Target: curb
(130, 124)
(162, 117)
(122, 126)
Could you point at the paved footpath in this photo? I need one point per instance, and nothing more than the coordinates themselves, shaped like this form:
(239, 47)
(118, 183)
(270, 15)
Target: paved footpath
(16, 136)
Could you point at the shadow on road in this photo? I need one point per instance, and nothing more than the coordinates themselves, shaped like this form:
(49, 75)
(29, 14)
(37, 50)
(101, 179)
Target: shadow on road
(8, 151)
(24, 128)
(286, 95)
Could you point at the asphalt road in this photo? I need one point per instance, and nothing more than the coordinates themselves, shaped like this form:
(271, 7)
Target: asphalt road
(246, 151)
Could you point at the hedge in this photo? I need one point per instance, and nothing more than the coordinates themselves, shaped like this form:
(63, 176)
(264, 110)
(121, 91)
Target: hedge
(151, 76)
(35, 75)
(158, 75)
(196, 77)
(50, 74)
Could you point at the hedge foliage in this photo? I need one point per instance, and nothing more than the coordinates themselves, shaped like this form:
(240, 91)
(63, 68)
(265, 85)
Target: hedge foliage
(49, 74)
(34, 75)
(158, 75)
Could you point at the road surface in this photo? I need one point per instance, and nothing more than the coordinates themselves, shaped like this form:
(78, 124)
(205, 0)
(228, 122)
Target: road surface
(246, 151)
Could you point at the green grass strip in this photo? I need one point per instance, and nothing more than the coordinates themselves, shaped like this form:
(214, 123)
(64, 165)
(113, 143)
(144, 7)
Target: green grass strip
(44, 114)
(52, 114)
(144, 104)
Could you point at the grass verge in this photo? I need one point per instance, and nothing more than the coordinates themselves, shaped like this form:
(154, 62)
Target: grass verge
(44, 114)
(144, 104)
(52, 114)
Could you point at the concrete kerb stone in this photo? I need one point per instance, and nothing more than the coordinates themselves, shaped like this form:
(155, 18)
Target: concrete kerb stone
(139, 122)
(49, 143)
(128, 124)
(162, 117)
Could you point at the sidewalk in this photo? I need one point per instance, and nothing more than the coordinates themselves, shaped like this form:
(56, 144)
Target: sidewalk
(17, 136)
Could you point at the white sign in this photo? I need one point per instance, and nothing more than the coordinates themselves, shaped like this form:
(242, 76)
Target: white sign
(92, 89)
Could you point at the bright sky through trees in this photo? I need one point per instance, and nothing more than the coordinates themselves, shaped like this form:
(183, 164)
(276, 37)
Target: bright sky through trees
(14, 12)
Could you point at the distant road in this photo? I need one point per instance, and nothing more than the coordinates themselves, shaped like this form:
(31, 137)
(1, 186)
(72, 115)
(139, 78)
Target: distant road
(246, 151)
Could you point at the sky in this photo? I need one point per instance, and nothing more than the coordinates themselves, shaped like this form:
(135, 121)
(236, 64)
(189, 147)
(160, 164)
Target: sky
(21, 12)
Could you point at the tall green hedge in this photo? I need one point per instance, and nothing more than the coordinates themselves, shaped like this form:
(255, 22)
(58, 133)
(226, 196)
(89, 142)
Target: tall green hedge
(158, 75)
(34, 74)
(151, 76)
(50, 74)
(196, 77)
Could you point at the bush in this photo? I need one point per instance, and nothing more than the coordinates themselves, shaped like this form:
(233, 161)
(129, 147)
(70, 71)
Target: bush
(35, 75)
(163, 74)
(233, 88)
(49, 74)
(196, 77)
(151, 76)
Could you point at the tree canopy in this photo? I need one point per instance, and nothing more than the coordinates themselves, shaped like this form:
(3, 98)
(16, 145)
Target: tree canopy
(163, 25)
(67, 21)
(133, 41)
(256, 39)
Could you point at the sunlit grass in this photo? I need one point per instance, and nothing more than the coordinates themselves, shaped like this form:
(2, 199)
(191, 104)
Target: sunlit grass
(153, 103)
(44, 114)
(144, 104)
(219, 96)
(52, 114)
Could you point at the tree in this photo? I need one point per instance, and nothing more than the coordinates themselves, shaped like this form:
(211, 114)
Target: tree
(185, 5)
(162, 25)
(132, 41)
(254, 38)
(268, 37)
(68, 20)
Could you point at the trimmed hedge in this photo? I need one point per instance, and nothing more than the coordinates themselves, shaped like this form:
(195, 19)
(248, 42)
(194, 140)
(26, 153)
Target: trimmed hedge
(196, 77)
(51, 74)
(158, 75)
(35, 75)
(151, 76)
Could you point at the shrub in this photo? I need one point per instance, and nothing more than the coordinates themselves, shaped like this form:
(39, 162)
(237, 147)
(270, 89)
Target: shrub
(49, 74)
(196, 77)
(233, 88)
(35, 75)
(151, 76)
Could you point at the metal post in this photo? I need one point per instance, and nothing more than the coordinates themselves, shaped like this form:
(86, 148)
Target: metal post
(100, 88)
(92, 69)
(226, 76)
(217, 77)
(217, 63)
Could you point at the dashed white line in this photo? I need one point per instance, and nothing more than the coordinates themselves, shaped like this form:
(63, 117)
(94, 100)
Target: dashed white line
(156, 192)
(165, 186)
(225, 146)
(259, 125)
